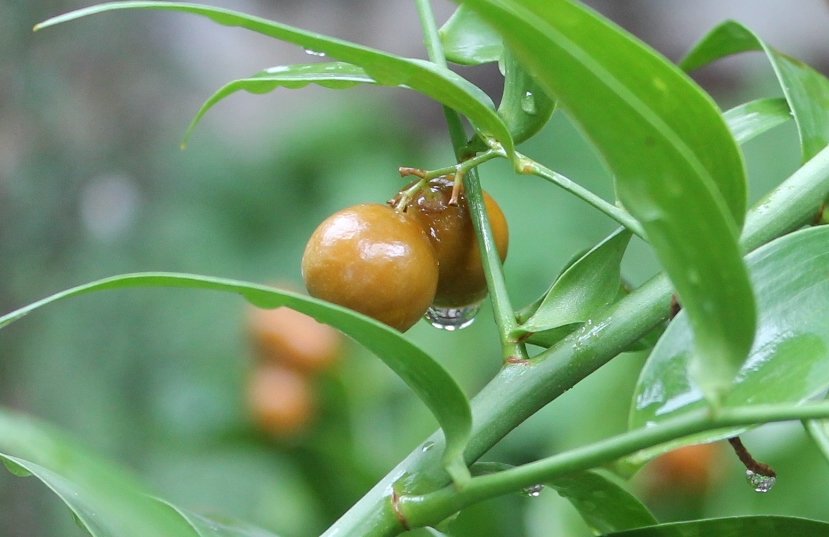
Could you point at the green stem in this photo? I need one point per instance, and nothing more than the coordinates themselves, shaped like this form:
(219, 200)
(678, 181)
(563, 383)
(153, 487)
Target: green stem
(504, 312)
(426, 508)
(789, 206)
(531, 167)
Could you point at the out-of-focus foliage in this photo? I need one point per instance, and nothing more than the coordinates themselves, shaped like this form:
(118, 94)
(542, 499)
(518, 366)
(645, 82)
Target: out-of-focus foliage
(92, 183)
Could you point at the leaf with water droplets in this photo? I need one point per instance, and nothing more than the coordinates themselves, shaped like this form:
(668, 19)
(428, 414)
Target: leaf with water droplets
(789, 361)
(525, 107)
(603, 502)
(212, 526)
(678, 170)
(442, 85)
(805, 89)
(331, 75)
(427, 378)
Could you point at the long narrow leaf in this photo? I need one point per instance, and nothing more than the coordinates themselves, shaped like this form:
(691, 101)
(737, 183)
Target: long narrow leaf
(105, 501)
(756, 117)
(678, 169)
(331, 75)
(387, 69)
(424, 375)
(806, 90)
(760, 526)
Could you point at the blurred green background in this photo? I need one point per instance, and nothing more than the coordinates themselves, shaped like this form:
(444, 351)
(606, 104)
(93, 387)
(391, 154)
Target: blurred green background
(92, 183)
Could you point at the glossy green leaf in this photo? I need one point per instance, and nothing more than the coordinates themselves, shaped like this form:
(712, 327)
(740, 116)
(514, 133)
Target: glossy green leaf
(756, 117)
(331, 75)
(440, 84)
(756, 526)
(678, 169)
(468, 40)
(205, 526)
(789, 361)
(524, 106)
(806, 90)
(428, 379)
(105, 501)
(586, 286)
(602, 502)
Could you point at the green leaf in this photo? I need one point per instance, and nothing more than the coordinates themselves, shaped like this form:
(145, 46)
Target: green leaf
(760, 526)
(440, 84)
(602, 502)
(331, 75)
(105, 501)
(468, 40)
(756, 117)
(428, 379)
(586, 286)
(524, 107)
(211, 526)
(806, 90)
(678, 169)
(789, 361)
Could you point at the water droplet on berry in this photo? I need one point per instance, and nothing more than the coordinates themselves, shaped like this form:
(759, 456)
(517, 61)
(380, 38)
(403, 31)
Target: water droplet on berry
(452, 319)
(533, 491)
(759, 482)
(427, 446)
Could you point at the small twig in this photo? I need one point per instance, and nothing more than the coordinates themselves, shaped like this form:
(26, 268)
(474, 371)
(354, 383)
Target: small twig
(456, 189)
(748, 461)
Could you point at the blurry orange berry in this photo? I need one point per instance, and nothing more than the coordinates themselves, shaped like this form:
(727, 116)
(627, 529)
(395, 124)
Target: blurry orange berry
(691, 469)
(293, 338)
(281, 400)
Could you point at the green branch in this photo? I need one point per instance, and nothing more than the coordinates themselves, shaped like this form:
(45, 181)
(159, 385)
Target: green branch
(427, 508)
(528, 166)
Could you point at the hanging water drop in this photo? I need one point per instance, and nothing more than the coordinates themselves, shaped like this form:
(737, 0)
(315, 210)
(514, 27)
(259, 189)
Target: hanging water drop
(314, 53)
(533, 491)
(759, 482)
(452, 319)
(528, 103)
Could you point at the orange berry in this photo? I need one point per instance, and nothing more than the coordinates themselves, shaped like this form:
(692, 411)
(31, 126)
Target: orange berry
(280, 399)
(293, 338)
(461, 279)
(375, 260)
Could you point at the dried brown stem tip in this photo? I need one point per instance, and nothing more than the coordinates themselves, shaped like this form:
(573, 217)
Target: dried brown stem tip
(748, 461)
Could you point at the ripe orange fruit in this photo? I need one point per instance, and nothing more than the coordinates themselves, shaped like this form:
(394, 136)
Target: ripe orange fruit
(293, 338)
(461, 279)
(375, 260)
(281, 400)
